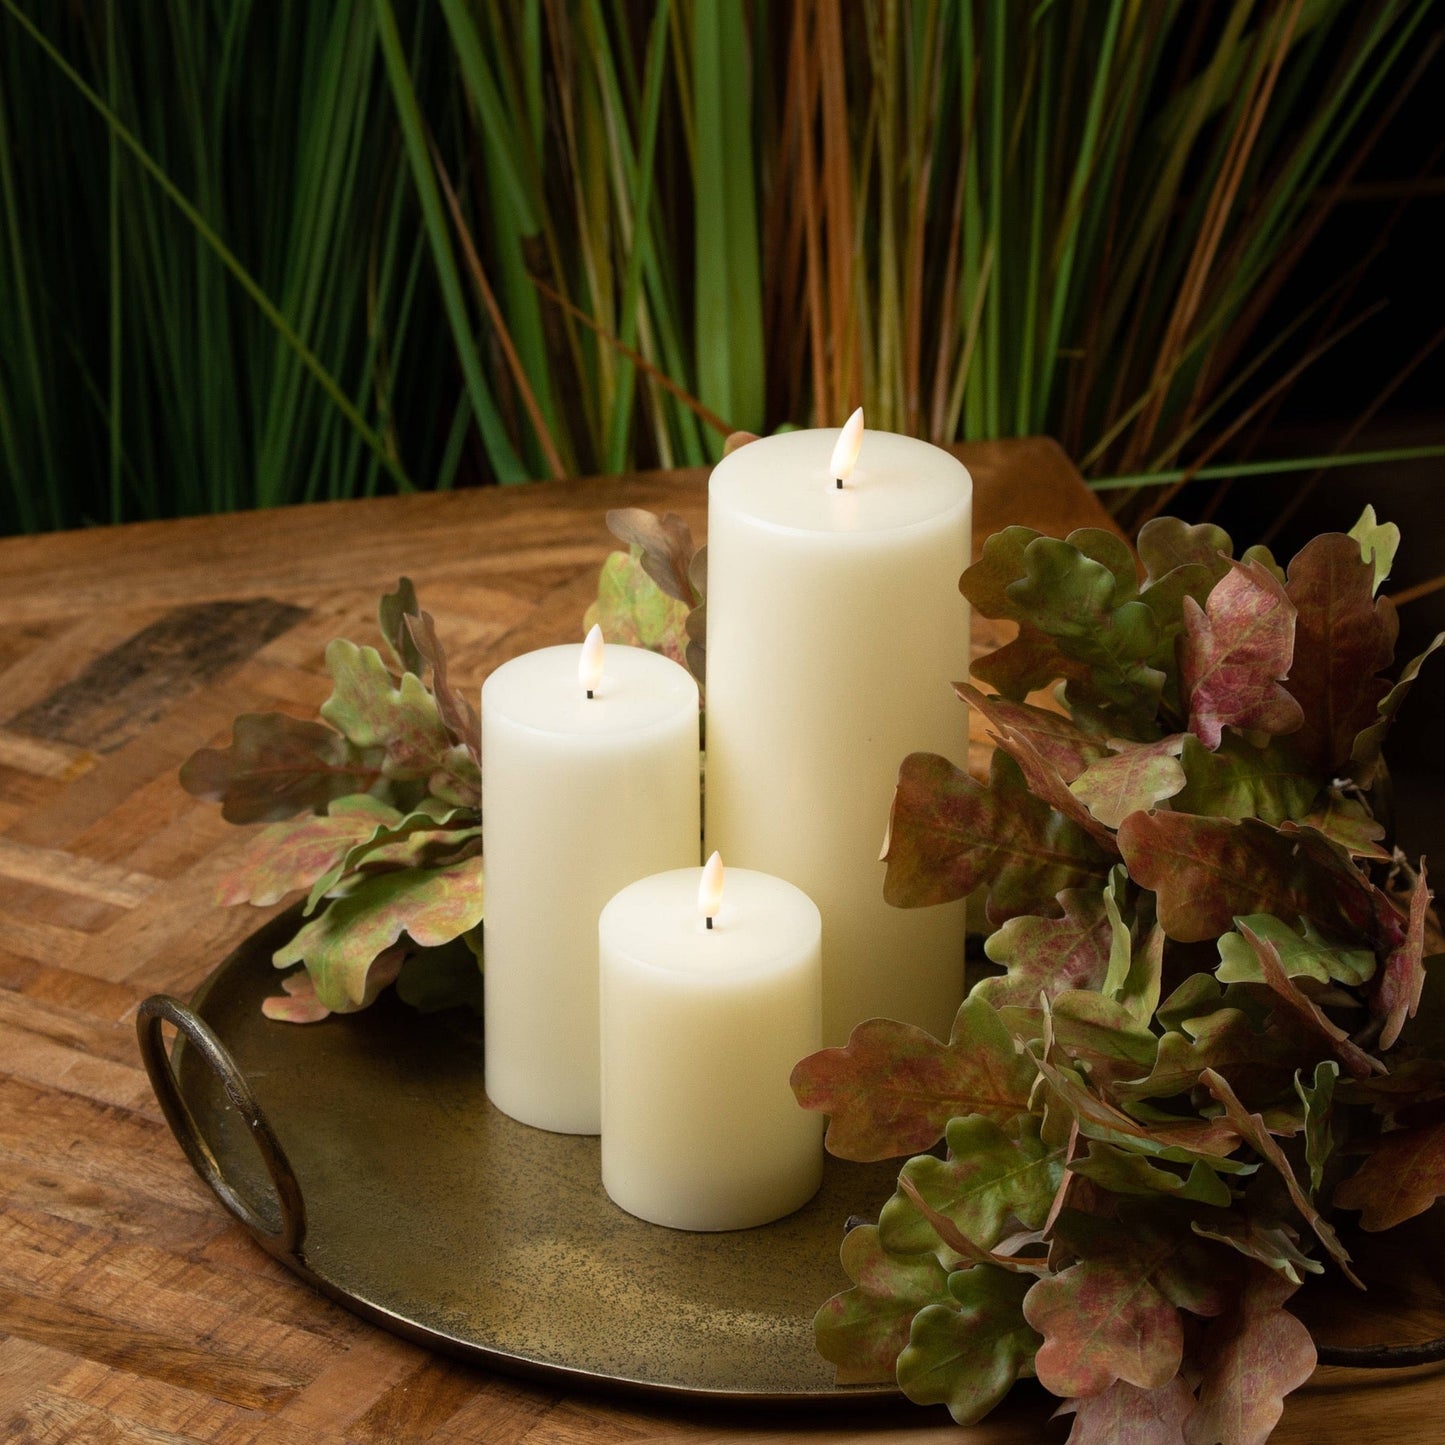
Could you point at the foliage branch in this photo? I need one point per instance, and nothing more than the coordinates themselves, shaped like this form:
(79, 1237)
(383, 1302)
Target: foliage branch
(1210, 1025)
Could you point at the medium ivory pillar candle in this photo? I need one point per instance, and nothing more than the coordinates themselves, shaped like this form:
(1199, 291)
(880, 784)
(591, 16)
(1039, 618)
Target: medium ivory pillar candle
(701, 1028)
(834, 630)
(588, 782)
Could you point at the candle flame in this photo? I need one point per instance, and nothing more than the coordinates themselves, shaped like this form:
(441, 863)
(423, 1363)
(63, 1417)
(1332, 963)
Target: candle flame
(845, 452)
(710, 889)
(589, 665)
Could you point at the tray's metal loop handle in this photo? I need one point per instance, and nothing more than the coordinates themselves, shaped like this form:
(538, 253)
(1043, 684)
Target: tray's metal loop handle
(286, 1240)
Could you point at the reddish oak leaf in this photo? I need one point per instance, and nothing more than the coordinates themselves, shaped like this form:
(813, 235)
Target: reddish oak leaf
(1050, 955)
(1403, 978)
(1254, 1354)
(1065, 746)
(294, 854)
(392, 614)
(893, 1088)
(1234, 652)
(1252, 1129)
(1126, 1415)
(666, 546)
(1403, 1177)
(298, 1004)
(949, 834)
(453, 703)
(1344, 638)
(1030, 662)
(1208, 871)
(862, 1331)
(1104, 1320)
(278, 766)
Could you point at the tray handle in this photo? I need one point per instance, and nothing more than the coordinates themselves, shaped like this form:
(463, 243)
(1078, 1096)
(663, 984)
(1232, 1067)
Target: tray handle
(286, 1240)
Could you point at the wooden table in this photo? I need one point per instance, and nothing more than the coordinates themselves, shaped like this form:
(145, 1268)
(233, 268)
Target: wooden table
(131, 1307)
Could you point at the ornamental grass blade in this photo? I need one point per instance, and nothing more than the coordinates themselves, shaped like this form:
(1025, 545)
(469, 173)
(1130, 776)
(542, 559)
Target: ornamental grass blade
(892, 1088)
(949, 834)
(863, 1330)
(1233, 654)
(966, 1354)
(1344, 638)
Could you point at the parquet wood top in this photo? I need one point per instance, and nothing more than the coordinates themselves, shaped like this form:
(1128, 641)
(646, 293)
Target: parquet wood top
(132, 1308)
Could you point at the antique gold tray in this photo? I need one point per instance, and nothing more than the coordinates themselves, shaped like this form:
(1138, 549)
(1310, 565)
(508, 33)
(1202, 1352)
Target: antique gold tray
(362, 1152)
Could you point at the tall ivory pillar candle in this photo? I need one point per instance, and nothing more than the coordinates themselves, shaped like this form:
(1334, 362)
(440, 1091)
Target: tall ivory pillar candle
(701, 1028)
(834, 630)
(588, 782)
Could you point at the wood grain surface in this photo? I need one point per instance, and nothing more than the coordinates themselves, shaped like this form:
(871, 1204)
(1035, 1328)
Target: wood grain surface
(132, 1308)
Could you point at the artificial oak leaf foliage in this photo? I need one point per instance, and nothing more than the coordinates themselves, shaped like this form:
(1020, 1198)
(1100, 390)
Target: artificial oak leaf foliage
(632, 610)
(1379, 541)
(863, 1330)
(967, 1353)
(393, 615)
(1240, 780)
(665, 545)
(1254, 1355)
(1344, 638)
(1402, 1177)
(893, 1087)
(1137, 775)
(1126, 1415)
(1403, 979)
(949, 834)
(1233, 654)
(454, 705)
(1055, 737)
(1047, 956)
(277, 766)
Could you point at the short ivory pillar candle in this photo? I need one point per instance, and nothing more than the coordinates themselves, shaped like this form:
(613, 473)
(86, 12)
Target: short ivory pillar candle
(588, 782)
(834, 630)
(701, 1027)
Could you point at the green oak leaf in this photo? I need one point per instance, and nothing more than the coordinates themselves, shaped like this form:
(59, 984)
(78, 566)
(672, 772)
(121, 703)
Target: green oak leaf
(1049, 955)
(1254, 1354)
(431, 906)
(392, 614)
(1194, 996)
(987, 1179)
(402, 721)
(1276, 1246)
(1344, 639)
(1366, 759)
(966, 1354)
(1053, 736)
(1134, 776)
(277, 766)
(893, 1088)
(1135, 973)
(441, 978)
(1030, 662)
(633, 610)
(1303, 954)
(1379, 541)
(295, 853)
(1261, 556)
(1239, 780)
(1121, 1172)
(1402, 980)
(1166, 544)
(1102, 1035)
(1208, 871)
(1233, 653)
(949, 834)
(863, 1330)
(1348, 822)
(986, 583)
(1126, 1415)
(1318, 1099)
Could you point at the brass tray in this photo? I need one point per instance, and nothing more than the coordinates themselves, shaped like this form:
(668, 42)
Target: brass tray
(363, 1153)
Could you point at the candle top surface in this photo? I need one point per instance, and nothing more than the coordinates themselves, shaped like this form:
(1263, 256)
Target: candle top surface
(786, 481)
(763, 923)
(542, 690)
